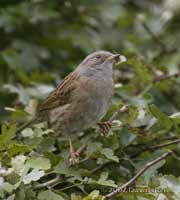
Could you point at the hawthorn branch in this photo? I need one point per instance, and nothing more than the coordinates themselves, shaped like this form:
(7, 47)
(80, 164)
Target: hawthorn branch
(118, 112)
(164, 144)
(171, 138)
(25, 125)
(166, 77)
(49, 184)
(154, 147)
(123, 187)
(100, 167)
(113, 117)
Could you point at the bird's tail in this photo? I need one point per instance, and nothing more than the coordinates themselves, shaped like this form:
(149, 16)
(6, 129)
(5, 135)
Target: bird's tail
(25, 125)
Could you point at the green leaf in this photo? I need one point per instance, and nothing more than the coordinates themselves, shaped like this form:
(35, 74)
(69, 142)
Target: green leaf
(12, 58)
(38, 163)
(94, 195)
(49, 195)
(109, 154)
(103, 180)
(46, 145)
(5, 188)
(28, 132)
(153, 170)
(8, 133)
(140, 70)
(63, 168)
(132, 114)
(14, 149)
(127, 137)
(18, 164)
(93, 148)
(75, 197)
(169, 182)
(164, 122)
(34, 175)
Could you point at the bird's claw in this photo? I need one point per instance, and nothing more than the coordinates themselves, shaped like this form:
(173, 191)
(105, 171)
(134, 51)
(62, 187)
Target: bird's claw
(104, 127)
(74, 158)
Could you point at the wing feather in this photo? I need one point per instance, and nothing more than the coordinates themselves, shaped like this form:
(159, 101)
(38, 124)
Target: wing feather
(62, 94)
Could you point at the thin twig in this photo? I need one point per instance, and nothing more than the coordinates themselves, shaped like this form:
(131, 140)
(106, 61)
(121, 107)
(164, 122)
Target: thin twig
(50, 183)
(80, 149)
(158, 79)
(154, 147)
(164, 144)
(100, 167)
(171, 138)
(133, 179)
(166, 77)
(25, 125)
(118, 112)
(71, 186)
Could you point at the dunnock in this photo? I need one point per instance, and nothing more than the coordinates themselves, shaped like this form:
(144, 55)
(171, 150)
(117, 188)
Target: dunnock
(82, 98)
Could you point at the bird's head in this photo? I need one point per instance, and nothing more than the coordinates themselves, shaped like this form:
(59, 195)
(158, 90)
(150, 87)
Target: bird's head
(99, 62)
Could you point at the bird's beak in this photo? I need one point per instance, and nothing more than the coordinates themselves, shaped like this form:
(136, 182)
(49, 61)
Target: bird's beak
(117, 58)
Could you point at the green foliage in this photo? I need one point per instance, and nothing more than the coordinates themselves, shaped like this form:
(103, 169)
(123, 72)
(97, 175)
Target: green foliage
(49, 195)
(41, 42)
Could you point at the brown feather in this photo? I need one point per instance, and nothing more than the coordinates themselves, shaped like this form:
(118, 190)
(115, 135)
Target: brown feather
(62, 94)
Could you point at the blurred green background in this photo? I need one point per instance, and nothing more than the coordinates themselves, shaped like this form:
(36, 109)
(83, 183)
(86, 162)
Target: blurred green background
(41, 41)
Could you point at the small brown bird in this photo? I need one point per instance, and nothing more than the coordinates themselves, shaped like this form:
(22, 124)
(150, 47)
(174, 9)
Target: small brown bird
(82, 98)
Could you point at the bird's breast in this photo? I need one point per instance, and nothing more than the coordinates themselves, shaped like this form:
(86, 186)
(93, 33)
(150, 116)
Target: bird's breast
(99, 93)
(90, 102)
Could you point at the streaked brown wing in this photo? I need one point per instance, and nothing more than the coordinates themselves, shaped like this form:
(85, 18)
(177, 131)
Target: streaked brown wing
(62, 94)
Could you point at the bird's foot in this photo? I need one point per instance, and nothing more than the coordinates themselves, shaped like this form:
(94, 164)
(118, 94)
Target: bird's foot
(104, 127)
(74, 155)
(74, 158)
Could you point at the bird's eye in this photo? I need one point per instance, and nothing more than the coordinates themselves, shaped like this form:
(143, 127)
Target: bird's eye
(98, 57)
